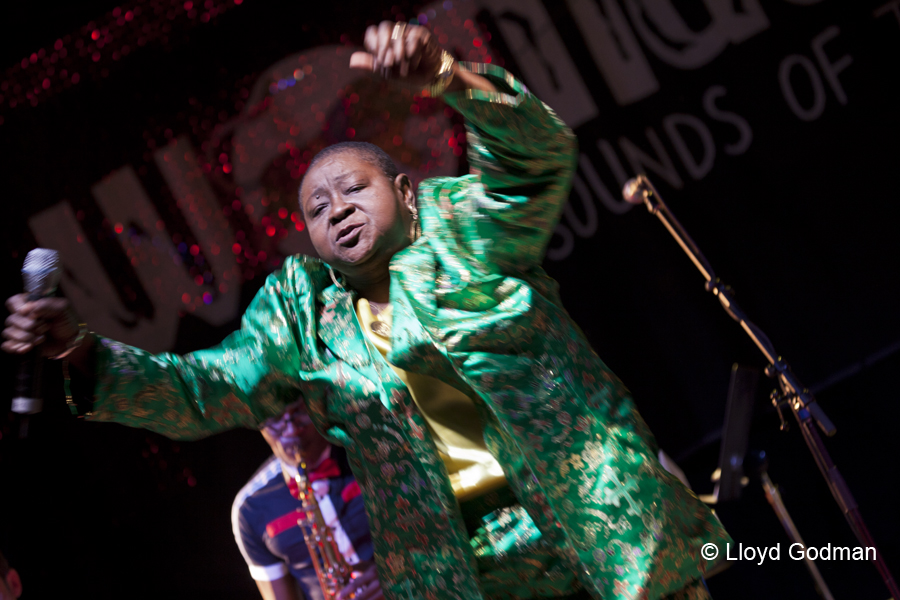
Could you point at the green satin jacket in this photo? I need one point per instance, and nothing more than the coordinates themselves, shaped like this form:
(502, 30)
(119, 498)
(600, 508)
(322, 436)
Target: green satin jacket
(472, 307)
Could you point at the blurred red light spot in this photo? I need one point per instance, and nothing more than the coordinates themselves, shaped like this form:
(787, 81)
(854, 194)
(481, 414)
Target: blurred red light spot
(236, 248)
(119, 228)
(185, 297)
(270, 230)
(195, 249)
(282, 213)
(95, 34)
(477, 42)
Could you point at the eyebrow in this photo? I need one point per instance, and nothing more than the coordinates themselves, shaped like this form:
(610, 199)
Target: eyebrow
(340, 179)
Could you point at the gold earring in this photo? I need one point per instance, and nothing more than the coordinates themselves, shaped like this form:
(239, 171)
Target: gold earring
(416, 230)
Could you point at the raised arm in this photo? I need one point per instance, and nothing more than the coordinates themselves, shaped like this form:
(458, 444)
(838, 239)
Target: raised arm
(522, 158)
(522, 155)
(410, 53)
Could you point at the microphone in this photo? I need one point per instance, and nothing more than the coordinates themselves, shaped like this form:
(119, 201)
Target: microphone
(41, 274)
(636, 189)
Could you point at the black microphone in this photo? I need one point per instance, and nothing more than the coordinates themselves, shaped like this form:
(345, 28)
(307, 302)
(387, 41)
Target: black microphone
(41, 274)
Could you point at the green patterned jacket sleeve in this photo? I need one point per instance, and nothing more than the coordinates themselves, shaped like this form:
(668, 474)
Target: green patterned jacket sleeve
(238, 383)
(524, 156)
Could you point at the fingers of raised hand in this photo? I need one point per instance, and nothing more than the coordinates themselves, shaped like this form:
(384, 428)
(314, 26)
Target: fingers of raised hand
(394, 48)
(362, 60)
(414, 44)
(383, 43)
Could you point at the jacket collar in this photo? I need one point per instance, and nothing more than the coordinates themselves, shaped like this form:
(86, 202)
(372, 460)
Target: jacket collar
(338, 327)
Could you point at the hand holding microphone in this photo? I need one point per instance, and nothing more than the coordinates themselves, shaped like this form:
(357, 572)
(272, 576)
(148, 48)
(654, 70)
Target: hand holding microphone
(40, 325)
(47, 325)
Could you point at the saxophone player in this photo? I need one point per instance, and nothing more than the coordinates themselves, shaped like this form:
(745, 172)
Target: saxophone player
(266, 511)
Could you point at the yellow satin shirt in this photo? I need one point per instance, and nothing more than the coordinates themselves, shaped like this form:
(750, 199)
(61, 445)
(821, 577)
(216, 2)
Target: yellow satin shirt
(450, 414)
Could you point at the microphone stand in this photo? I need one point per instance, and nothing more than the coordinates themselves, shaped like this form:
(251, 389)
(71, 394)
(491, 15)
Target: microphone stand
(793, 394)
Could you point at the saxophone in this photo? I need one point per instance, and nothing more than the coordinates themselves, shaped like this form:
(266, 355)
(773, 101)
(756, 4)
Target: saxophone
(332, 570)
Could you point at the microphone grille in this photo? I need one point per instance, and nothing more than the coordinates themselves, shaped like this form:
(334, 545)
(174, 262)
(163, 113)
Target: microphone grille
(41, 272)
(633, 190)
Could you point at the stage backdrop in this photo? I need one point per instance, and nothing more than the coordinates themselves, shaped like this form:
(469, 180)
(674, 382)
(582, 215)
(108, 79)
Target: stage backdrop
(159, 148)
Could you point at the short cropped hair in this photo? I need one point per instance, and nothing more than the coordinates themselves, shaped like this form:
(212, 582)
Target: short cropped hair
(364, 150)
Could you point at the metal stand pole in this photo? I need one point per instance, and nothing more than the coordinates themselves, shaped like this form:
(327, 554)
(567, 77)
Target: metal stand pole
(801, 401)
(760, 465)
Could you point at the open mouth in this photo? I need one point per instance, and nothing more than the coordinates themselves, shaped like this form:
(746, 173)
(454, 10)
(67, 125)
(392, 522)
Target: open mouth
(349, 234)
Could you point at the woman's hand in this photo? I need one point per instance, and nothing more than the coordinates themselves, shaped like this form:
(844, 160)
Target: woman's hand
(399, 50)
(48, 324)
(410, 53)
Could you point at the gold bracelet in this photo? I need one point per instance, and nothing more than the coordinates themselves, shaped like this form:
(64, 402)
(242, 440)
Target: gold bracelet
(74, 344)
(67, 386)
(443, 77)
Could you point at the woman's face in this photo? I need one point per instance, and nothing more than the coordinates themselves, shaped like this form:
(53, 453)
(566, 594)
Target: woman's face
(357, 218)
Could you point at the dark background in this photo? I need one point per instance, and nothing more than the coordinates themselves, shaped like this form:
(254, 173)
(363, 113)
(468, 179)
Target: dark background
(802, 225)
